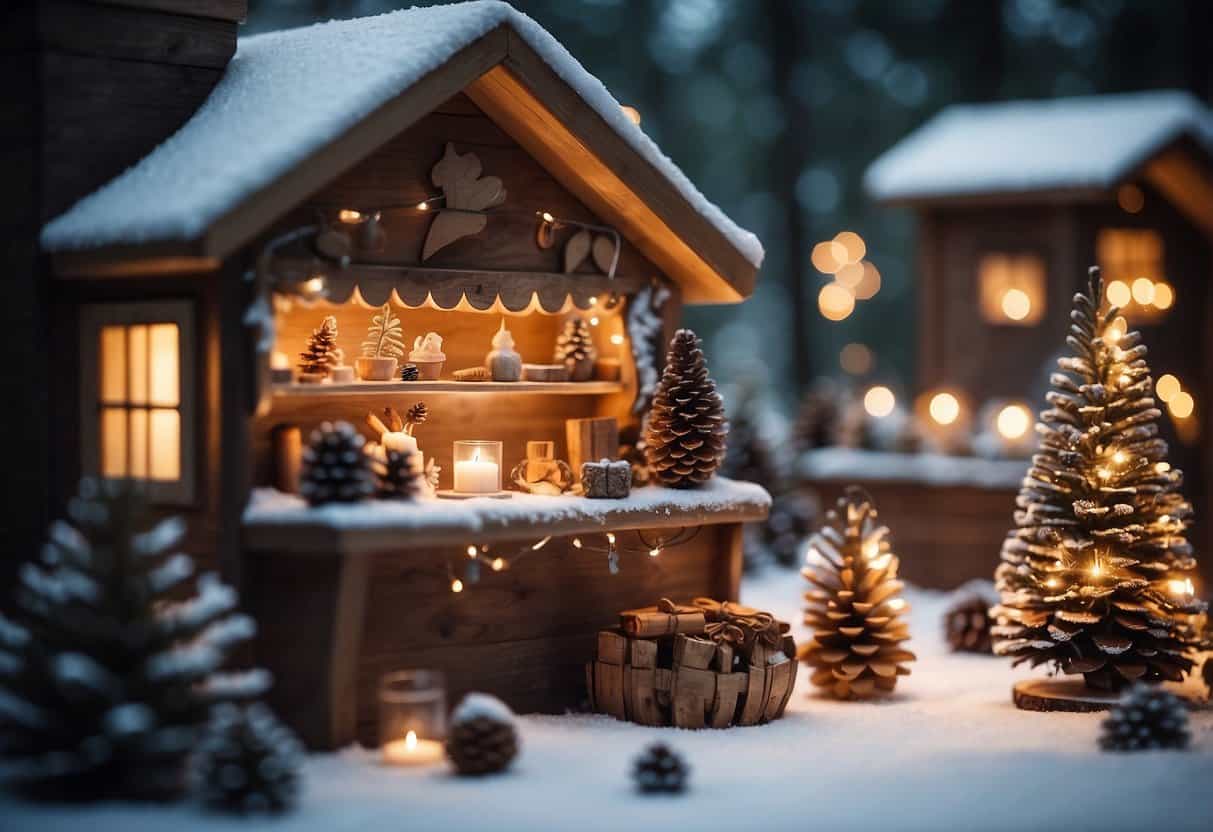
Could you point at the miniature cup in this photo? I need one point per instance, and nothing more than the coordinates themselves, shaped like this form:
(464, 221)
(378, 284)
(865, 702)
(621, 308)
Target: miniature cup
(375, 368)
(342, 374)
(428, 370)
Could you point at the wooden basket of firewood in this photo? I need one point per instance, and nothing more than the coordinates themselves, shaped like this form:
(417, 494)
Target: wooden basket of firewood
(707, 664)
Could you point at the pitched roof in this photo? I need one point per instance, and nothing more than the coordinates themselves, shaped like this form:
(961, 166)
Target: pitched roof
(288, 95)
(1018, 147)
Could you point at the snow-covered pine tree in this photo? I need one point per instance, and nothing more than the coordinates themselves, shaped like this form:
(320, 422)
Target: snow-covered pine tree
(109, 670)
(1095, 576)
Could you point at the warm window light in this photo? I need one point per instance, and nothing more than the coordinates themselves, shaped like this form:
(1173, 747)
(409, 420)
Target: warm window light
(835, 302)
(1164, 296)
(616, 339)
(1016, 304)
(1182, 405)
(1167, 387)
(140, 393)
(1119, 293)
(1143, 290)
(944, 408)
(879, 401)
(350, 215)
(1013, 421)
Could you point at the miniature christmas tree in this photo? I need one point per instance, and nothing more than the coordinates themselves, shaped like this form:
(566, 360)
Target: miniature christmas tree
(575, 348)
(853, 605)
(109, 674)
(249, 761)
(321, 353)
(384, 337)
(1095, 575)
(686, 431)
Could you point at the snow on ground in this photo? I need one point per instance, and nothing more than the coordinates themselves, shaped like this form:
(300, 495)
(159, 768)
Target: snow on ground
(948, 752)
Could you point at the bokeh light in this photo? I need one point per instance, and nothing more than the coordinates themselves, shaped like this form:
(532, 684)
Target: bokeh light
(853, 244)
(1167, 386)
(1013, 421)
(1016, 304)
(1182, 404)
(1130, 198)
(1143, 290)
(879, 401)
(869, 285)
(835, 302)
(1118, 293)
(829, 257)
(944, 408)
(850, 275)
(1164, 295)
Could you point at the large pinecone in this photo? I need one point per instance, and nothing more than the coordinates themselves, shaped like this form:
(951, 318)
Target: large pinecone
(686, 432)
(321, 353)
(1089, 573)
(336, 467)
(399, 474)
(483, 739)
(660, 770)
(853, 605)
(249, 761)
(967, 625)
(1146, 717)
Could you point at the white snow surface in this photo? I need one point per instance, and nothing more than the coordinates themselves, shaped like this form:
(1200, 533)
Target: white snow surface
(478, 705)
(1017, 146)
(948, 751)
(286, 94)
(926, 468)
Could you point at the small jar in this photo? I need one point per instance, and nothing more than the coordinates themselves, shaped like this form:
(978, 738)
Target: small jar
(412, 717)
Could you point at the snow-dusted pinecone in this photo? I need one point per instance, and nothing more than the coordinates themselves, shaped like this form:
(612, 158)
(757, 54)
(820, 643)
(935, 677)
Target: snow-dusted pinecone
(791, 521)
(336, 468)
(660, 769)
(1146, 717)
(967, 625)
(249, 761)
(483, 739)
(321, 354)
(398, 474)
(686, 432)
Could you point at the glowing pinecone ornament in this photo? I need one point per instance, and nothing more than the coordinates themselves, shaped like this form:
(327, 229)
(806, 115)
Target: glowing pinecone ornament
(686, 431)
(1145, 718)
(853, 604)
(1095, 576)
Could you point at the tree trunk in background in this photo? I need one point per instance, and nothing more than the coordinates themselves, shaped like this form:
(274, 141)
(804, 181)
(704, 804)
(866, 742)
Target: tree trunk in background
(1198, 61)
(985, 25)
(789, 46)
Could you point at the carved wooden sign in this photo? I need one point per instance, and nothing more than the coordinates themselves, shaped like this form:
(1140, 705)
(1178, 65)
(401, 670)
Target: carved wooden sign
(464, 192)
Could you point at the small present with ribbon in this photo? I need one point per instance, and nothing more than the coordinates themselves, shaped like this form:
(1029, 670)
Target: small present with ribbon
(664, 619)
(749, 630)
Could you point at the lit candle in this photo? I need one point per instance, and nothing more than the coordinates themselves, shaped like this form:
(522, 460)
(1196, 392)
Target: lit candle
(280, 368)
(474, 476)
(412, 751)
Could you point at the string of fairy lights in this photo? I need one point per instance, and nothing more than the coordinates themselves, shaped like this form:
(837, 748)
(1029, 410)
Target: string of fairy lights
(476, 556)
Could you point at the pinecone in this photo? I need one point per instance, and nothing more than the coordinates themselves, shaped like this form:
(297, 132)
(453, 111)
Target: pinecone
(321, 354)
(109, 671)
(249, 761)
(660, 770)
(575, 349)
(789, 525)
(1146, 717)
(853, 606)
(686, 432)
(816, 424)
(399, 474)
(409, 372)
(483, 739)
(336, 468)
(1088, 573)
(967, 625)
(749, 455)
(417, 414)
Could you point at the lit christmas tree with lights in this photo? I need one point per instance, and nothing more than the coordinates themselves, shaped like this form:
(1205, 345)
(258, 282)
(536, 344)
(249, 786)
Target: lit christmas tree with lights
(1096, 575)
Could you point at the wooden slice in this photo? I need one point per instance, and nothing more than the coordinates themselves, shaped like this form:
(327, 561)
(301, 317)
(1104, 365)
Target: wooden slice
(1071, 695)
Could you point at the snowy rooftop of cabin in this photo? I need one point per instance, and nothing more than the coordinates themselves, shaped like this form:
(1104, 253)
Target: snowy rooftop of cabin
(286, 94)
(1025, 146)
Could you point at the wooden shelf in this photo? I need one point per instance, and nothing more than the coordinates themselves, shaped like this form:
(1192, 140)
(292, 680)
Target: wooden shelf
(395, 388)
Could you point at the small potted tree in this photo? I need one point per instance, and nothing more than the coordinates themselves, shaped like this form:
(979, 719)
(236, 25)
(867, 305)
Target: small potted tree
(383, 346)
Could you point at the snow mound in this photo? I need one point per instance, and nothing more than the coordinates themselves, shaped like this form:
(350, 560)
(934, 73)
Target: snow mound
(482, 705)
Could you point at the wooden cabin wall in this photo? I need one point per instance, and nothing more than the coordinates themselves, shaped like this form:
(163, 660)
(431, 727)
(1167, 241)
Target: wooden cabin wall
(957, 348)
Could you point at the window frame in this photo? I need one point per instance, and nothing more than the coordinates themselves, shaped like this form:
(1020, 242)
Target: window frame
(95, 316)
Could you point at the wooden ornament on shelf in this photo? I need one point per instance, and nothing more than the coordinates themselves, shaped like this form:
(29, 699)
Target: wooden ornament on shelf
(541, 472)
(473, 374)
(465, 194)
(545, 372)
(383, 347)
(591, 440)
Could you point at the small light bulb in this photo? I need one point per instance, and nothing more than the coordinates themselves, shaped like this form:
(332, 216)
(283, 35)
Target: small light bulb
(423, 206)
(1051, 583)
(548, 218)
(611, 538)
(349, 215)
(616, 339)
(456, 585)
(1162, 467)
(1118, 457)
(654, 552)
(498, 564)
(471, 551)
(593, 300)
(594, 320)
(576, 542)
(1104, 473)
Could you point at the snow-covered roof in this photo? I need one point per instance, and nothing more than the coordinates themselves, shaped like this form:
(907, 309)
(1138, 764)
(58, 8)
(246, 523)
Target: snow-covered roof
(1024, 146)
(287, 94)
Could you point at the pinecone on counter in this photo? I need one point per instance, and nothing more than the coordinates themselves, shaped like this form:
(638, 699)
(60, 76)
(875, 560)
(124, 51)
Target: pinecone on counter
(1146, 717)
(686, 432)
(249, 761)
(336, 468)
(483, 739)
(967, 625)
(660, 770)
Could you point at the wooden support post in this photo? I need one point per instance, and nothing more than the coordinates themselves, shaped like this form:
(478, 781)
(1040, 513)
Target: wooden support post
(608, 674)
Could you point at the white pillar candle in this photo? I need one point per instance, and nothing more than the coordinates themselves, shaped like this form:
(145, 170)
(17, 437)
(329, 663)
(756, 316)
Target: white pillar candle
(411, 751)
(475, 476)
(399, 441)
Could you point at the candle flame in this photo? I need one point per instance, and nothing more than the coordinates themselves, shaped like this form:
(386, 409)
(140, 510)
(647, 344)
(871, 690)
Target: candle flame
(410, 741)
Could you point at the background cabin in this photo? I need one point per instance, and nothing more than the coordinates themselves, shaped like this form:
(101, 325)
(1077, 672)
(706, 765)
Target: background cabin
(305, 185)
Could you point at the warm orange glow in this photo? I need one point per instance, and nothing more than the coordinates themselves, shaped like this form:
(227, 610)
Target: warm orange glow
(1118, 293)
(944, 408)
(1164, 296)
(879, 401)
(1016, 304)
(165, 387)
(1013, 421)
(136, 341)
(112, 362)
(113, 442)
(1011, 289)
(852, 244)
(1115, 331)
(828, 257)
(410, 741)
(456, 585)
(498, 564)
(1167, 387)
(835, 302)
(631, 112)
(1143, 290)
(616, 339)
(869, 285)
(165, 446)
(137, 443)
(850, 275)
(1182, 405)
(350, 215)
(1130, 198)
(856, 359)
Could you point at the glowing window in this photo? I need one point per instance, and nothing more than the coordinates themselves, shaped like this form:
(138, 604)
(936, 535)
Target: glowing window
(1133, 271)
(137, 394)
(1011, 289)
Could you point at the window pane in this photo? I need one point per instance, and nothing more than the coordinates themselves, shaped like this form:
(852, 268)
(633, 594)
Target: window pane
(163, 352)
(137, 336)
(137, 441)
(113, 442)
(112, 362)
(1011, 289)
(166, 445)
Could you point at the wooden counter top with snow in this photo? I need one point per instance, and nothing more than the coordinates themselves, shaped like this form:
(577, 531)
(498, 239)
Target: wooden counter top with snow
(925, 468)
(284, 523)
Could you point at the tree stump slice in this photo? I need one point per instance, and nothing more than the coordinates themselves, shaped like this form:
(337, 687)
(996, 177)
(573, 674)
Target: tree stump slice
(1070, 695)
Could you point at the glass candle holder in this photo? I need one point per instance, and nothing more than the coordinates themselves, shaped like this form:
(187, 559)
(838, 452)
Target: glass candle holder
(477, 466)
(412, 717)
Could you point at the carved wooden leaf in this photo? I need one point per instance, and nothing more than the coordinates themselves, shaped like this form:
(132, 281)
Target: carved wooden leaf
(576, 250)
(463, 189)
(603, 252)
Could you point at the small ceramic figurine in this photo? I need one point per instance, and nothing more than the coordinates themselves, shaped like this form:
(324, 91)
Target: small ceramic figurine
(503, 362)
(427, 354)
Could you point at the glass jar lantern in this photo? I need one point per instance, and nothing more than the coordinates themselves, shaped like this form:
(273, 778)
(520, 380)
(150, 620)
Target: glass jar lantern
(477, 466)
(412, 717)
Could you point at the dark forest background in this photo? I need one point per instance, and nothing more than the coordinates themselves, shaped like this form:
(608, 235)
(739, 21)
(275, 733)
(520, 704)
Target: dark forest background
(774, 108)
